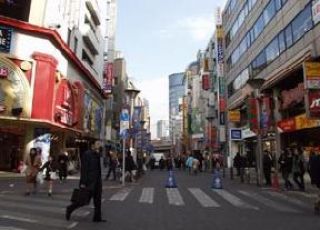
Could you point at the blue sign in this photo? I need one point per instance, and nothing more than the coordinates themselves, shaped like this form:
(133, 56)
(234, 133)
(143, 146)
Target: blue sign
(5, 39)
(236, 134)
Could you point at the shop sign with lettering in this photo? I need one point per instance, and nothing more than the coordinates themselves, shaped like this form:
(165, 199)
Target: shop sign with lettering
(313, 103)
(312, 75)
(236, 134)
(303, 122)
(234, 115)
(287, 125)
(5, 39)
(316, 11)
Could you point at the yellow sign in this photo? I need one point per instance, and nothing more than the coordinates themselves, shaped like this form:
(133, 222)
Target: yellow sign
(234, 115)
(302, 122)
(312, 70)
(219, 32)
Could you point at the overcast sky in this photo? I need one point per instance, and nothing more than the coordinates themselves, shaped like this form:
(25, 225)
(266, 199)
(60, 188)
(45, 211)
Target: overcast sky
(160, 37)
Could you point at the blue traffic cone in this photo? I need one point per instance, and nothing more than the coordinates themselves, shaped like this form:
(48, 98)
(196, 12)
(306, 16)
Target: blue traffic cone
(171, 181)
(216, 181)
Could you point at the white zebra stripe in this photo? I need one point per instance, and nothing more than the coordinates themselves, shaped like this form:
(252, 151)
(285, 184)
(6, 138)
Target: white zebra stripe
(203, 198)
(267, 202)
(289, 199)
(232, 199)
(147, 195)
(174, 197)
(121, 195)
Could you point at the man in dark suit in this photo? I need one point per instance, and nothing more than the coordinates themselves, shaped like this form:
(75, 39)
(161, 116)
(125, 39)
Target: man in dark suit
(90, 179)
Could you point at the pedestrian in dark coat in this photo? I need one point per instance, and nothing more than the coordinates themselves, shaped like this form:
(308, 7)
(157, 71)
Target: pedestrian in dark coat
(129, 165)
(298, 169)
(267, 166)
(285, 168)
(90, 179)
(314, 167)
(237, 163)
(63, 166)
(50, 167)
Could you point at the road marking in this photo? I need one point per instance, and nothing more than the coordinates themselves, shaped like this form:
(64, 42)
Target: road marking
(72, 225)
(21, 219)
(50, 209)
(121, 195)
(267, 202)
(203, 198)
(174, 197)
(232, 199)
(307, 195)
(36, 219)
(147, 195)
(50, 201)
(289, 199)
(10, 228)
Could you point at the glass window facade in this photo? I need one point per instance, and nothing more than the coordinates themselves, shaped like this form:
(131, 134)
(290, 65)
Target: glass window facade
(294, 31)
(266, 16)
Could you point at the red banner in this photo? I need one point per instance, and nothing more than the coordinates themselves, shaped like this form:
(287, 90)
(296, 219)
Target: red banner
(205, 82)
(252, 114)
(107, 78)
(287, 125)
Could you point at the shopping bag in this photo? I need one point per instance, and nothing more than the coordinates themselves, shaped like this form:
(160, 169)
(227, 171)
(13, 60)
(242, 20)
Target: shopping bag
(40, 178)
(81, 196)
(53, 175)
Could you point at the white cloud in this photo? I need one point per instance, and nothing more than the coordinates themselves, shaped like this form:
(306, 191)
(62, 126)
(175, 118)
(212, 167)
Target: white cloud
(199, 28)
(156, 91)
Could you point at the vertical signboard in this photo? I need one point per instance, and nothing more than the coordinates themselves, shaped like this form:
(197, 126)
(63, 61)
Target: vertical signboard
(252, 114)
(107, 78)
(312, 86)
(5, 39)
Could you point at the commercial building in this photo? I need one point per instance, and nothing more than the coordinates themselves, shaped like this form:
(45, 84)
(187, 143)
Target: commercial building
(51, 74)
(177, 89)
(276, 42)
(163, 129)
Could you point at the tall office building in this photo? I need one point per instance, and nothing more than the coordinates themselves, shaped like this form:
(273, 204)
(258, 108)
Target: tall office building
(163, 129)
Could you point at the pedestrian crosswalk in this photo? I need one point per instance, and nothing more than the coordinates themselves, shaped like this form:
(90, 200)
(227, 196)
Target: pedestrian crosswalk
(24, 212)
(216, 198)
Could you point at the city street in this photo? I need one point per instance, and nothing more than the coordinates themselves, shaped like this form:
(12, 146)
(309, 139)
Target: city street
(147, 204)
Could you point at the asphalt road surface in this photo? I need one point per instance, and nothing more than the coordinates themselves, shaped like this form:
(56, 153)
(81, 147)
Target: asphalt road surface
(148, 205)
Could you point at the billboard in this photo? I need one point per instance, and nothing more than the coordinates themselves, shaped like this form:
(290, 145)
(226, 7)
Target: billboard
(107, 78)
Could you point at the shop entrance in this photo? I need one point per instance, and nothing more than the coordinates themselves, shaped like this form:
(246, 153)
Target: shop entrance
(10, 151)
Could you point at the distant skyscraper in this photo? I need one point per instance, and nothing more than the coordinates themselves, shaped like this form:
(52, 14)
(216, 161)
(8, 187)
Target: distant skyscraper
(163, 129)
(177, 90)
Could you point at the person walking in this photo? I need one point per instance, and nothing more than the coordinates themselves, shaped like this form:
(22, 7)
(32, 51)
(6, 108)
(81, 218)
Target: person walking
(113, 163)
(314, 167)
(237, 163)
(267, 166)
(50, 168)
(63, 166)
(285, 169)
(298, 169)
(129, 166)
(91, 180)
(33, 163)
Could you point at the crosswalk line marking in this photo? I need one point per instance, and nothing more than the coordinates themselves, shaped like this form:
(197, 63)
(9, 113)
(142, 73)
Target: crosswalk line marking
(307, 195)
(147, 195)
(46, 200)
(121, 195)
(289, 199)
(203, 198)
(11, 228)
(50, 209)
(174, 197)
(234, 200)
(268, 202)
(36, 219)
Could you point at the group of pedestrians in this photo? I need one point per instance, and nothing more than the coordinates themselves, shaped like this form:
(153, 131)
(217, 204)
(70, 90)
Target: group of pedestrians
(35, 171)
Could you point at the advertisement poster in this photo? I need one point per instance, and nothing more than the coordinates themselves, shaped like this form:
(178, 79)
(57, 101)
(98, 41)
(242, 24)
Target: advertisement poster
(43, 141)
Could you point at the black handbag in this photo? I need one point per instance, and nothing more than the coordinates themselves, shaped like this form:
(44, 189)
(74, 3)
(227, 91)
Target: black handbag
(81, 196)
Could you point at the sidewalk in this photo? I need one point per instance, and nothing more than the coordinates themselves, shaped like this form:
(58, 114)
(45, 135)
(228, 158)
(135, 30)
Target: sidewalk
(8, 175)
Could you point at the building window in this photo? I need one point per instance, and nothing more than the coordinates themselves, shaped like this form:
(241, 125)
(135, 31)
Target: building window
(75, 45)
(259, 63)
(258, 27)
(86, 58)
(302, 23)
(269, 12)
(288, 32)
(272, 50)
(17, 9)
(282, 42)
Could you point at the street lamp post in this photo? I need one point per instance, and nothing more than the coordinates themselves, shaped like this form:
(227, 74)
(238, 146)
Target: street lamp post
(132, 93)
(256, 85)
